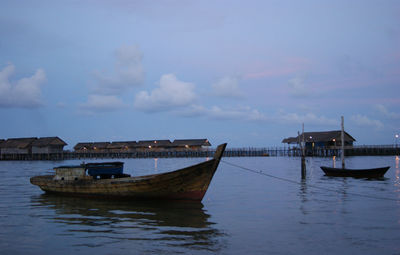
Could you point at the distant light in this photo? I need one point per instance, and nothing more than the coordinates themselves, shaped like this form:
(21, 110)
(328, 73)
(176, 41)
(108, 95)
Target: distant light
(334, 139)
(397, 136)
(149, 146)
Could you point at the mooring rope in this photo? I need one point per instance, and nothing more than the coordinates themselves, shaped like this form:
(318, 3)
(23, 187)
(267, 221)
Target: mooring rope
(308, 185)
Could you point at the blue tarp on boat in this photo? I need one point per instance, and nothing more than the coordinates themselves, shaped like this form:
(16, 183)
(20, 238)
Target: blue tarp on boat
(105, 168)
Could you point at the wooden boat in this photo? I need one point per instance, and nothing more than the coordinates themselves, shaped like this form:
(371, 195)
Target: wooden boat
(189, 183)
(356, 173)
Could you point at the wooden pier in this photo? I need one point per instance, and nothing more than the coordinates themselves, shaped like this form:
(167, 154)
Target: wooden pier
(377, 150)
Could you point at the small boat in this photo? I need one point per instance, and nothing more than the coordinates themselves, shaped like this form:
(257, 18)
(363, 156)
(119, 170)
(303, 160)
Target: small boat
(189, 183)
(355, 173)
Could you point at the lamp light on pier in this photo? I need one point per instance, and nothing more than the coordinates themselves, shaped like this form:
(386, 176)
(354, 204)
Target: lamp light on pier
(312, 143)
(396, 136)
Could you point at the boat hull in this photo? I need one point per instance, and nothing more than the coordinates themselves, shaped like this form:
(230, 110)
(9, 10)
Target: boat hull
(190, 183)
(356, 173)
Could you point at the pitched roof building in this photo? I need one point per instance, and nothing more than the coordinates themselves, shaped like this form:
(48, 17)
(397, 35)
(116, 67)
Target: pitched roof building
(321, 139)
(142, 145)
(100, 146)
(191, 143)
(81, 147)
(45, 145)
(154, 143)
(92, 147)
(122, 146)
(17, 145)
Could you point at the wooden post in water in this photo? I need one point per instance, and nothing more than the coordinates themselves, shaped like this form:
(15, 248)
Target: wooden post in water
(303, 156)
(342, 138)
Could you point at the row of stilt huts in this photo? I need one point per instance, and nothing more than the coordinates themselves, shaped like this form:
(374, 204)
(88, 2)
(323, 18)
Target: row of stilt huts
(53, 148)
(323, 144)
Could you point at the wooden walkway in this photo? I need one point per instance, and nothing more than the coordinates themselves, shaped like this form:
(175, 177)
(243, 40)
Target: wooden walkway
(232, 152)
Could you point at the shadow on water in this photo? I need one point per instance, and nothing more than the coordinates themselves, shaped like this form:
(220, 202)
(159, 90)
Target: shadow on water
(155, 224)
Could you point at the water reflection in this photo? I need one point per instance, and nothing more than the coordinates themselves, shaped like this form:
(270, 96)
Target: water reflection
(155, 164)
(397, 175)
(303, 196)
(334, 161)
(101, 222)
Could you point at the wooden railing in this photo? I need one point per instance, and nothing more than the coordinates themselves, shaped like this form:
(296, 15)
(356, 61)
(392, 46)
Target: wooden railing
(361, 150)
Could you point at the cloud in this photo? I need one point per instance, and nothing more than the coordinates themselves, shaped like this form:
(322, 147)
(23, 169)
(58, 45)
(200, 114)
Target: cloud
(297, 87)
(227, 87)
(279, 68)
(250, 114)
(24, 93)
(272, 72)
(101, 103)
(171, 94)
(246, 114)
(128, 72)
(385, 112)
(363, 121)
(308, 118)
(218, 113)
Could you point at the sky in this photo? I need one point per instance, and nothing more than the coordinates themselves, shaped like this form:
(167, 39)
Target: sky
(248, 73)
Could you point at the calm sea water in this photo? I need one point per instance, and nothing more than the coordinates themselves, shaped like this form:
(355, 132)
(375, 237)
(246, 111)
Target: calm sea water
(242, 212)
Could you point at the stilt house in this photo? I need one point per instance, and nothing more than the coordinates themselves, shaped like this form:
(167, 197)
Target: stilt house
(325, 139)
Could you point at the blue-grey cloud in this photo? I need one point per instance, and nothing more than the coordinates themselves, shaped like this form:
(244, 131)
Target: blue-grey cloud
(101, 103)
(169, 95)
(128, 72)
(246, 113)
(364, 121)
(227, 87)
(22, 93)
(297, 87)
(382, 110)
(307, 118)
